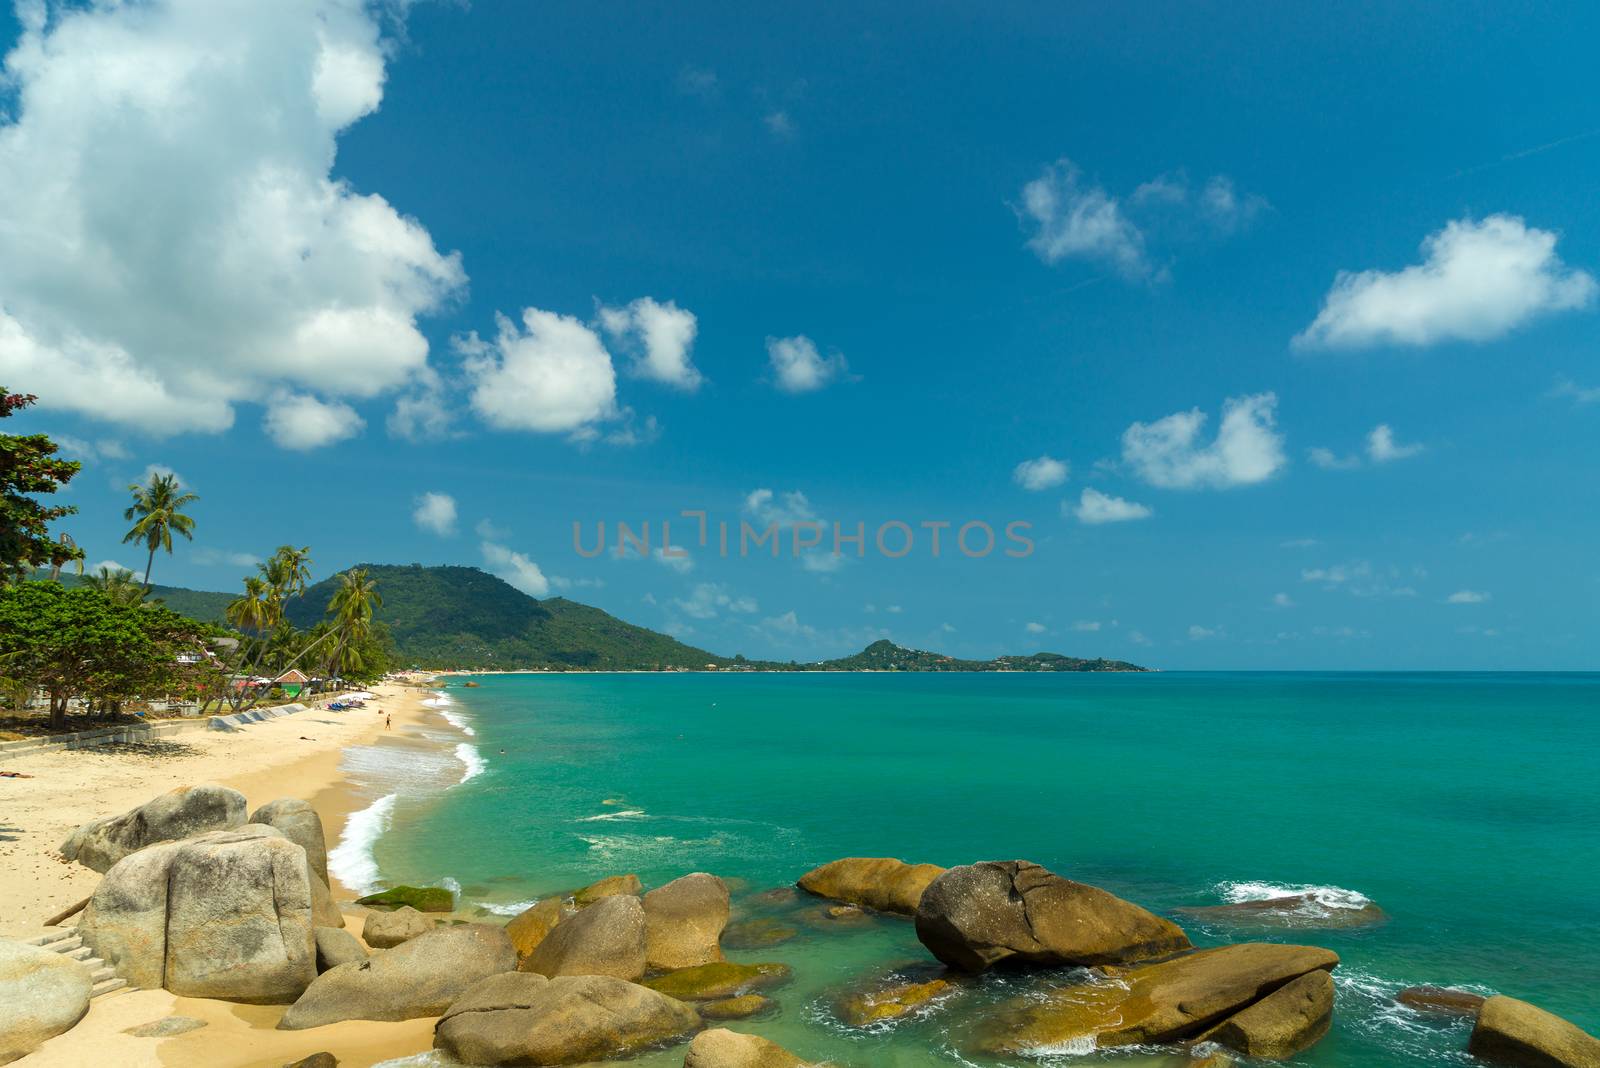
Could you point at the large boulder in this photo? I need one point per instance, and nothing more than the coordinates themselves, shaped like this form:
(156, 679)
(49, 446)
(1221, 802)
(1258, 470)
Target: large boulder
(177, 814)
(297, 821)
(336, 946)
(1154, 1003)
(530, 926)
(421, 977)
(323, 910)
(610, 886)
(607, 938)
(523, 1018)
(683, 921)
(226, 914)
(1291, 1018)
(383, 930)
(719, 981)
(44, 994)
(741, 1007)
(1512, 1032)
(880, 883)
(722, 1048)
(1440, 1000)
(976, 916)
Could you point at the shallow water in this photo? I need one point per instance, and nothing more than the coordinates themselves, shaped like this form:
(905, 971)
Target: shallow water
(1465, 805)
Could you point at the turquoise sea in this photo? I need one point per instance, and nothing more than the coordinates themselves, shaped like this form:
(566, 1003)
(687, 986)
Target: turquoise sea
(1466, 805)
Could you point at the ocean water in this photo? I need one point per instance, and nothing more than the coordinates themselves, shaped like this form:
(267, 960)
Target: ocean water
(1467, 806)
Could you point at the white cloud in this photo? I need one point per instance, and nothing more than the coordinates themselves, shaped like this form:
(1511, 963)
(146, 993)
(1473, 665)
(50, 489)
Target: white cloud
(660, 337)
(208, 557)
(784, 509)
(799, 367)
(1040, 473)
(1096, 507)
(789, 624)
(894, 610)
(1383, 448)
(1467, 597)
(1337, 574)
(113, 567)
(1247, 449)
(708, 599)
(301, 422)
(78, 448)
(435, 513)
(1035, 628)
(679, 560)
(779, 124)
(1282, 600)
(516, 569)
(1328, 460)
(422, 414)
(152, 470)
(1199, 634)
(1478, 281)
(552, 376)
(1087, 625)
(488, 530)
(698, 81)
(1566, 387)
(171, 230)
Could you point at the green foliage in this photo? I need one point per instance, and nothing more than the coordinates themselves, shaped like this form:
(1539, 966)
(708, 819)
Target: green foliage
(28, 467)
(156, 514)
(203, 605)
(884, 655)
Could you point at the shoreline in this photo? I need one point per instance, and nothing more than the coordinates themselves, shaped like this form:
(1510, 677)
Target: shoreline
(294, 756)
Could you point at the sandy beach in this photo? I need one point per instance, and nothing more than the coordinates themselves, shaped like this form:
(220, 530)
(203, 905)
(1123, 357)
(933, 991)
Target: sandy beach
(294, 756)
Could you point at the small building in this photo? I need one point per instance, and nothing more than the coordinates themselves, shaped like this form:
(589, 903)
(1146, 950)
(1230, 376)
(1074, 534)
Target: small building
(292, 682)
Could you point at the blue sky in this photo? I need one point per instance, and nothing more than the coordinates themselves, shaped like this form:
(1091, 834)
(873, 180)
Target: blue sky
(557, 263)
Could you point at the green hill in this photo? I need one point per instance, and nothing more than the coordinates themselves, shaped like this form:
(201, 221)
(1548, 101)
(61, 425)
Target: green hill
(461, 617)
(204, 605)
(884, 655)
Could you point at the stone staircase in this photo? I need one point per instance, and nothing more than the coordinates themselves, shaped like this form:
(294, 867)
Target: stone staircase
(64, 940)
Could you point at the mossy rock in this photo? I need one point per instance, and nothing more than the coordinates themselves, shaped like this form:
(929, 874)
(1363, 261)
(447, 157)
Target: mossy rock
(611, 886)
(739, 1008)
(719, 981)
(865, 1008)
(421, 898)
(757, 933)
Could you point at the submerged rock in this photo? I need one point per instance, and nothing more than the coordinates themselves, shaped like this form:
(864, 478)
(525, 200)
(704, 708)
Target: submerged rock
(976, 916)
(297, 821)
(1515, 1033)
(683, 922)
(421, 898)
(384, 930)
(44, 994)
(881, 883)
(530, 926)
(721, 1048)
(607, 938)
(175, 815)
(1154, 1003)
(1291, 1018)
(891, 1001)
(523, 1018)
(420, 977)
(1291, 911)
(740, 1008)
(758, 933)
(719, 981)
(1440, 1000)
(611, 886)
(336, 946)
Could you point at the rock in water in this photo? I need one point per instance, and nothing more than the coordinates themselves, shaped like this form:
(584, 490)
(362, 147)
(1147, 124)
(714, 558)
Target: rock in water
(1154, 1003)
(611, 886)
(421, 977)
(421, 898)
(297, 821)
(740, 1008)
(177, 814)
(729, 1049)
(719, 981)
(44, 994)
(890, 1001)
(1440, 1000)
(880, 883)
(239, 919)
(383, 930)
(523, 1018)
(1291, 1018)
(683, 922)
(758, 933)
(529, 927)
(336, 946)
(976, 916)
(1512, 1032)
(607, 938)
(1292, 911)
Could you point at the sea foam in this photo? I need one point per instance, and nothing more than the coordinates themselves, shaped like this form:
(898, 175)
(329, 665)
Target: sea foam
(468, 754)
(1323, 897)
(351, 861)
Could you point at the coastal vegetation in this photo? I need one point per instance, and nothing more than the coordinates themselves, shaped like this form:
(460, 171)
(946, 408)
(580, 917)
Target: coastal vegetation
(29, 468)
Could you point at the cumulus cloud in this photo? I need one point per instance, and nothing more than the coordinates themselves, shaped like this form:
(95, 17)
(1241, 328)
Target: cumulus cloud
(1329, 460)
(435, 513)
(1382, 447)
(660, 337)
(1040, 473)
(798, 367)
(785, 509)
(301, 422)
(779, 124)
(708, 600)
(1247, 449)
(171, 230)
(1034, 628)
(1467, 597)
(1198, 633)
(551, 376)
(516, 569)
(1282, 600)
(1566, 387)
(212, 557)
(1095, 507)
(1478, 281)
(1086, 625)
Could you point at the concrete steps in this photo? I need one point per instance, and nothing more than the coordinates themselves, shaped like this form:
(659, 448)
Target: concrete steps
(65, 941)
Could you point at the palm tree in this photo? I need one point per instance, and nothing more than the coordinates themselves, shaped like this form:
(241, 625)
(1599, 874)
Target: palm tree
(157, 510)
(286, 576)
(248, 611)
(351, 607)
(118, 584)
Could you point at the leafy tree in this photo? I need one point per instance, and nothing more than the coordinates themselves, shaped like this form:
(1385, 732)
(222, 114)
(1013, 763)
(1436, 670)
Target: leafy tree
(28, 466)
(118, 584)
(157, 513)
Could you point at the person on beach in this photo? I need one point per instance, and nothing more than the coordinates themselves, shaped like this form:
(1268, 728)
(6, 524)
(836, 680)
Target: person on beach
(387, 722)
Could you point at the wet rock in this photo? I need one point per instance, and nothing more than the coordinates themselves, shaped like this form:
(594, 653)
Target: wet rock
(1292, 911)
(419, 977)
(721, 1048)
(383, 930)
(530, 926)
(891, 1001)
(1517, 1034)
(740, 1008)
(44, 994)
(976, 916)
(1292, 1018)
(336, 946)
(757, 933)
(683, 922)
(421, 898)
(175, 815)
(523, 1018)
(607, 938)
(1440, 1000)
(880, 883)
(611, 886)
(1154, 1003)
(719, 981)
